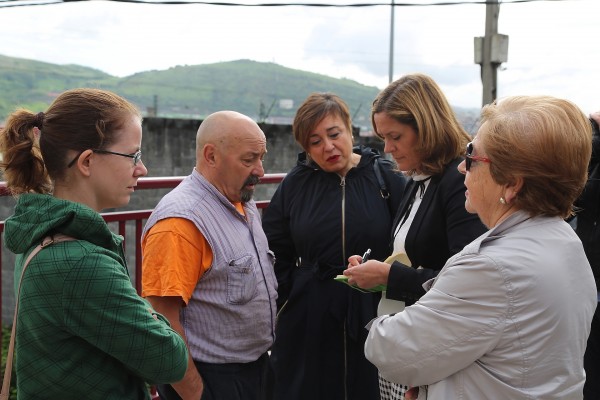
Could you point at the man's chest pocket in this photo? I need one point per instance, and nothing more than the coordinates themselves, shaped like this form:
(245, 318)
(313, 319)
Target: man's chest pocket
(241, 280)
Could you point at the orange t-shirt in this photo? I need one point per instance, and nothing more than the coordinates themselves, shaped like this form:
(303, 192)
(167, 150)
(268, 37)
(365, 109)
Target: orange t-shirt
(175, 255)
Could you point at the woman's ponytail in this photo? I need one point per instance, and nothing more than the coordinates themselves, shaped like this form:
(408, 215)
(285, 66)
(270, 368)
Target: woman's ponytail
(22, 162)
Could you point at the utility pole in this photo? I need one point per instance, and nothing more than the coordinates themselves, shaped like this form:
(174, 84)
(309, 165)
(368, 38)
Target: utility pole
(153, 111)
(489, 71)
(490, 51)
(391, 65)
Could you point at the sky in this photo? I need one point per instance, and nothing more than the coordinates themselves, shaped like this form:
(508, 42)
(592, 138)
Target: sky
(553, 45)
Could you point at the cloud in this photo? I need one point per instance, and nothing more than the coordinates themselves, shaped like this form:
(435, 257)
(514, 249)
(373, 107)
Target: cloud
(552, 44)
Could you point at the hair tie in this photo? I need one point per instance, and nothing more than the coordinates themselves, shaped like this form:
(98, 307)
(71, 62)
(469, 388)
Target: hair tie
(39, 120)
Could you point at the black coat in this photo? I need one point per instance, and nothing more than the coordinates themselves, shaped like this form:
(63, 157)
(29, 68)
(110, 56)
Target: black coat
(588, 214)
(314, 222)
(441, 228)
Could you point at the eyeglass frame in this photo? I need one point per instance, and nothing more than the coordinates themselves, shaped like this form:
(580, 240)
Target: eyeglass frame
(469, 157)
(137, 156)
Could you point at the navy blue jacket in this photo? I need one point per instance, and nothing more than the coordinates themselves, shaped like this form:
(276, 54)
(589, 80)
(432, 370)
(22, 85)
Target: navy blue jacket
(314, 222)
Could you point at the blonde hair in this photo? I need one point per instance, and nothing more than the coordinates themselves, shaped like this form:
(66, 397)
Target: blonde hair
(416, 100)
(544, 140)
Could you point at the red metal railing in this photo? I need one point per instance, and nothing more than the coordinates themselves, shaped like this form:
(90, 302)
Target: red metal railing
(138, 217)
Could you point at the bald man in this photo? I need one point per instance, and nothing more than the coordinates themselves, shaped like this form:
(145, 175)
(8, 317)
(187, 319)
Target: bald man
(207, 266)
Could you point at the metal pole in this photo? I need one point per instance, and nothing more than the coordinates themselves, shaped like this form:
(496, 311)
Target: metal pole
(391, 66)
(489, 69)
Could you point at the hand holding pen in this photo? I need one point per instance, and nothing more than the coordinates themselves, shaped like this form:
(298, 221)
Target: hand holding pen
(354, 262)
(365, 256)
(366, 276)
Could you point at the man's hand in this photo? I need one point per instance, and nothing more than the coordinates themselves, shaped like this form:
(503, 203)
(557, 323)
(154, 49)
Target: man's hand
(191, 386)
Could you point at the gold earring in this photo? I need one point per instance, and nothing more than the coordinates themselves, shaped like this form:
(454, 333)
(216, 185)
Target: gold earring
(502, 200)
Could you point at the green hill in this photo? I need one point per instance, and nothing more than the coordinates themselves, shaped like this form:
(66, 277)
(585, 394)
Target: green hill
(253, 88)
(34, 84)
(264, 91)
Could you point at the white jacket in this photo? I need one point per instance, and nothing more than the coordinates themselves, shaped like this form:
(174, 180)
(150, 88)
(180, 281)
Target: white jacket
(506, 318)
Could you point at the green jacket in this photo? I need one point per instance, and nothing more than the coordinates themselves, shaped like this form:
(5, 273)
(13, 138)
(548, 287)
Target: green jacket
(82, 330)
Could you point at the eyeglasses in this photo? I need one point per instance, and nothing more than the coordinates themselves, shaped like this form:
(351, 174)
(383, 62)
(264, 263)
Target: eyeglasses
(137, 156)
(469, 158)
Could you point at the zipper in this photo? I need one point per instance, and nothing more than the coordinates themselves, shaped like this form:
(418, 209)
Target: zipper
(343, 185)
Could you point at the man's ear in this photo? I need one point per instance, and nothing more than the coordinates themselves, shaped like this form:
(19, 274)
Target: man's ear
(209, 153)
(84, 162)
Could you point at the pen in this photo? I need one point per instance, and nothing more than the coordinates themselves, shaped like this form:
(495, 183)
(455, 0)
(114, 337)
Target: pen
(365, 256)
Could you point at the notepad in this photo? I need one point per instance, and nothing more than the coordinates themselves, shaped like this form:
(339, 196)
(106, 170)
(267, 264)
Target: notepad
(400, 257)
(344, 279)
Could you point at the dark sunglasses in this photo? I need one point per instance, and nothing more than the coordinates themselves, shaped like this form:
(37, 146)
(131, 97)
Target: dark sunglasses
(469, 157)
(137, 156)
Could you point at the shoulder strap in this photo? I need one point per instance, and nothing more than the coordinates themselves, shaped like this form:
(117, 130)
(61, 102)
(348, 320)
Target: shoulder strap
(385, 193)
(48, 240)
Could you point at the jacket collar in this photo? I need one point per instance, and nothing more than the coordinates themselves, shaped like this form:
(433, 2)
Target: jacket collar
(367, 155)
(503, 228)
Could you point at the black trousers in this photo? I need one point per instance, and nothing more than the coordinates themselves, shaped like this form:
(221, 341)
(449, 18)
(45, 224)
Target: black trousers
(591, 360)
(234, 381)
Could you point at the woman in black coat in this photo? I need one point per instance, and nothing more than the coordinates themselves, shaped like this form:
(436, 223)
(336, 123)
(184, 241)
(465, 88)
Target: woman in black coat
(422, 134)
(330, 205)
(588, 229)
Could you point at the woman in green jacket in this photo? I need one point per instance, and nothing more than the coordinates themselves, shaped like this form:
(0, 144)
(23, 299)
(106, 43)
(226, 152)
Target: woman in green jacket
(82, 330)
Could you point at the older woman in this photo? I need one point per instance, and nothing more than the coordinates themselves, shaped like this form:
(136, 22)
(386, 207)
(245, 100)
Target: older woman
(328, 207)
(509, 315)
